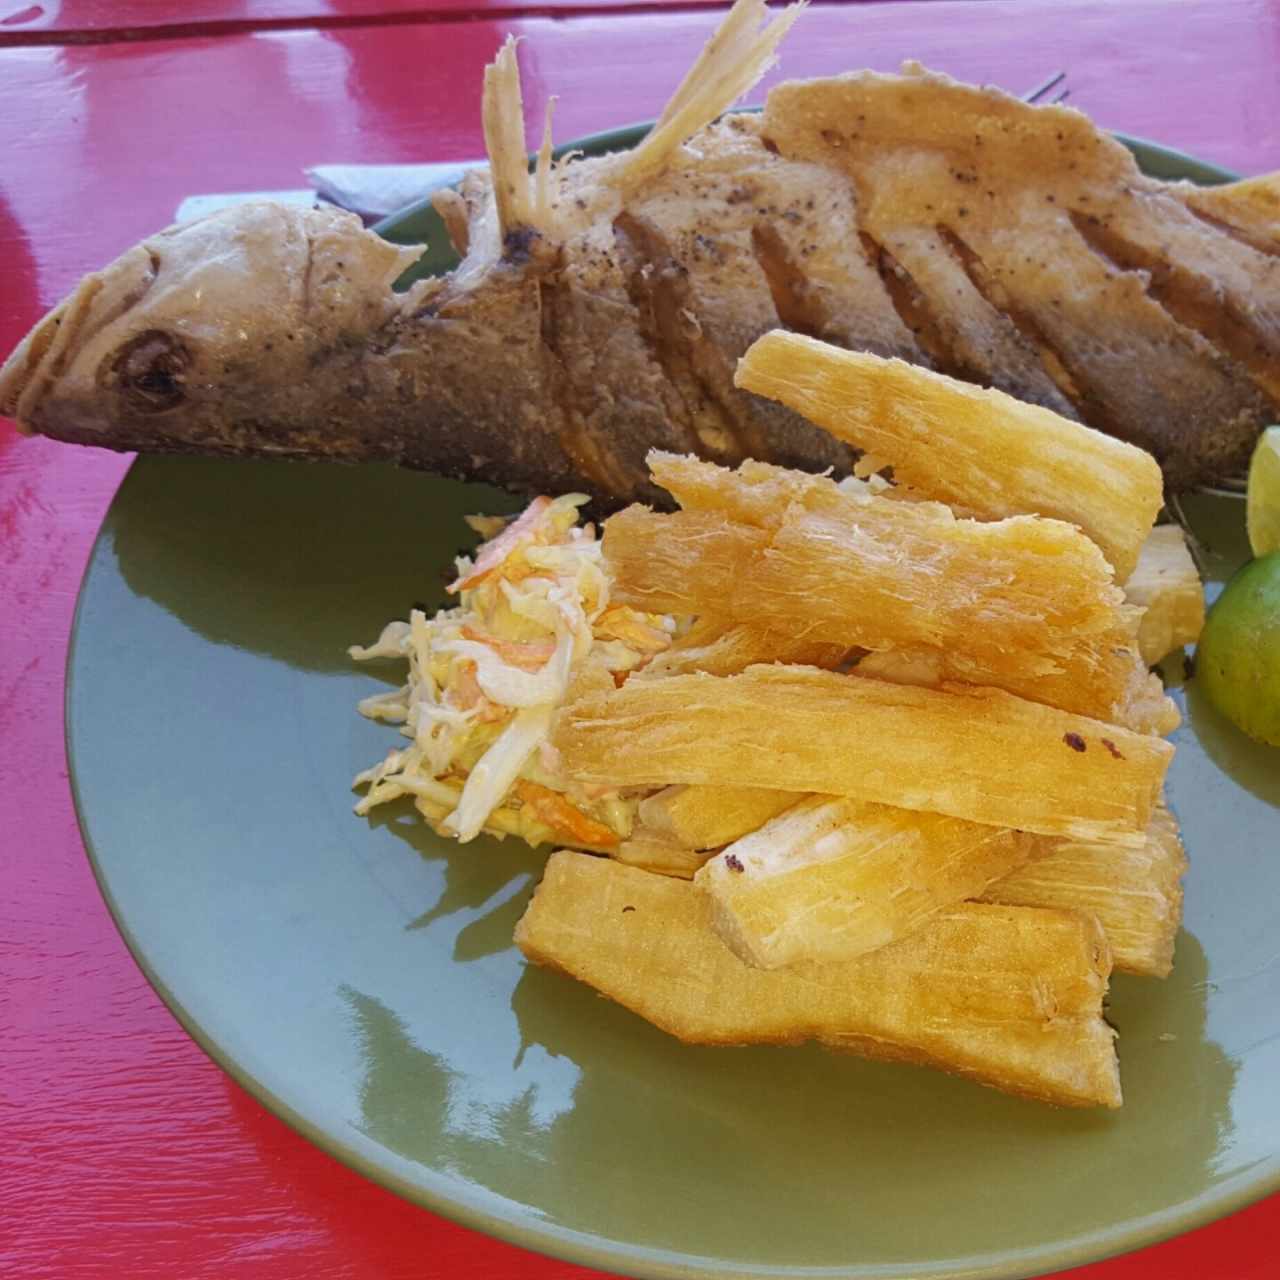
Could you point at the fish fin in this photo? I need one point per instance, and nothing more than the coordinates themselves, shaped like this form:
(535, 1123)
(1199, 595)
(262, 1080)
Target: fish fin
(503, 115)
(544, 175)
(452, 209)
(735, 57)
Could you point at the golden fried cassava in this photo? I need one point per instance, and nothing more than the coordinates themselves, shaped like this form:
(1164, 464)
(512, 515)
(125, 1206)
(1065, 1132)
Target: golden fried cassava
(1166, 586)
(725, 648)
(1008, 996)
(1136, 894)
(978, 754)
(831, 879)
(978, 449)
(863, 570)
(710, 817)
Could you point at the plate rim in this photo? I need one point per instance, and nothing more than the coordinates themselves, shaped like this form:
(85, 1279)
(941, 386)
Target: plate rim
(585, 1249)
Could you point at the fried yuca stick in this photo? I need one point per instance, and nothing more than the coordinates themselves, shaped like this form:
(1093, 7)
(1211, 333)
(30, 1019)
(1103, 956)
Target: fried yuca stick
(1100, 675)
(1104, 678)
(754, 493)
(832, 879)
(980, 449)
(809, 601)
(978, 754)
(995, 595)
(1136, 894)
(1008, 996)
(759, 493)
(1166, 586)
(657, 852)
(865, 571)
(709, 817)
(680, 563)
(725, 648)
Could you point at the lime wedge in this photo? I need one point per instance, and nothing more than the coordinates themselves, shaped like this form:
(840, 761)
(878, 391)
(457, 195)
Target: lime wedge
(1238, 655)
(1263, 507)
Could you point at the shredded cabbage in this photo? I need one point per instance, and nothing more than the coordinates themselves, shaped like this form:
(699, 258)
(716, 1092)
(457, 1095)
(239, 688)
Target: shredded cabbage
(508, 685)
(486, 676)
(495, 771)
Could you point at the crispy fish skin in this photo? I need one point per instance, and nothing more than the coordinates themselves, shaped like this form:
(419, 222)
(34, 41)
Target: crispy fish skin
(538, 377)
(1008, 996)
(1155, 325)
(604, 313)
(736, 268)
(272, 331)
(1248, 209)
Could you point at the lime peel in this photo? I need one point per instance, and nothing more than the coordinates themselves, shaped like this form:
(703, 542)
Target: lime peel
(1238, 657)
(1263, 505)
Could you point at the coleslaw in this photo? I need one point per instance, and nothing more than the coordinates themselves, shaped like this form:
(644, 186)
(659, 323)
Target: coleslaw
(487, 676)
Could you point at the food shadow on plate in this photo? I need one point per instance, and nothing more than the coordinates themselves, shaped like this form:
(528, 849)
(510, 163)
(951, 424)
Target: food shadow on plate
(1249, 764)
(292, 560)
(602, 1123)
(759, 1108)
(488, 881)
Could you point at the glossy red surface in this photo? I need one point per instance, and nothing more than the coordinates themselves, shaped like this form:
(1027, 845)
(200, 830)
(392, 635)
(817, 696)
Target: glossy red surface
(123, 1151)
(112, 20)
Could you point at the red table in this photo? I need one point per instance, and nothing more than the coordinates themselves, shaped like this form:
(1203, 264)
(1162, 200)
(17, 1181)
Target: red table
(123, 1151)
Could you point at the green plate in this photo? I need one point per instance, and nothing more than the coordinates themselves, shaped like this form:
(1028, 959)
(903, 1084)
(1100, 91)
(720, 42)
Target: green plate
(358, 977)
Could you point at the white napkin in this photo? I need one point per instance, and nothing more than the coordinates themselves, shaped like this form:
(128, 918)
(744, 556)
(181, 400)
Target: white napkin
(371, 190)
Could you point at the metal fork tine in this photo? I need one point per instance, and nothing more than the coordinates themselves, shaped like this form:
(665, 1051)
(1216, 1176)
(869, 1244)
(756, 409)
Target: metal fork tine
(1173, 506)
(1062, 97)
(1227, 487)
(1041, 89)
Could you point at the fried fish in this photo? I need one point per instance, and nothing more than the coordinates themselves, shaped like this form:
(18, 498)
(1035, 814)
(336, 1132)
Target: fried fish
(601, 304)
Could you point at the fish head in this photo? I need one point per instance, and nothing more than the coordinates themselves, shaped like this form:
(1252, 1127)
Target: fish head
(183, 329)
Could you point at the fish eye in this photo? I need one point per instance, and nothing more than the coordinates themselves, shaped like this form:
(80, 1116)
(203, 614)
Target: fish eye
(150, 371)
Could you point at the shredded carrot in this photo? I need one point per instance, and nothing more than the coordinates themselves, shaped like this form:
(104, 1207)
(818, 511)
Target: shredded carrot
(528, 655)
(567, 820)
(465, 693)
(492, 554)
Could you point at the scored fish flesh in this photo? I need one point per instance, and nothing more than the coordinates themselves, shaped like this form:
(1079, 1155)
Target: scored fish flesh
(602, 303)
